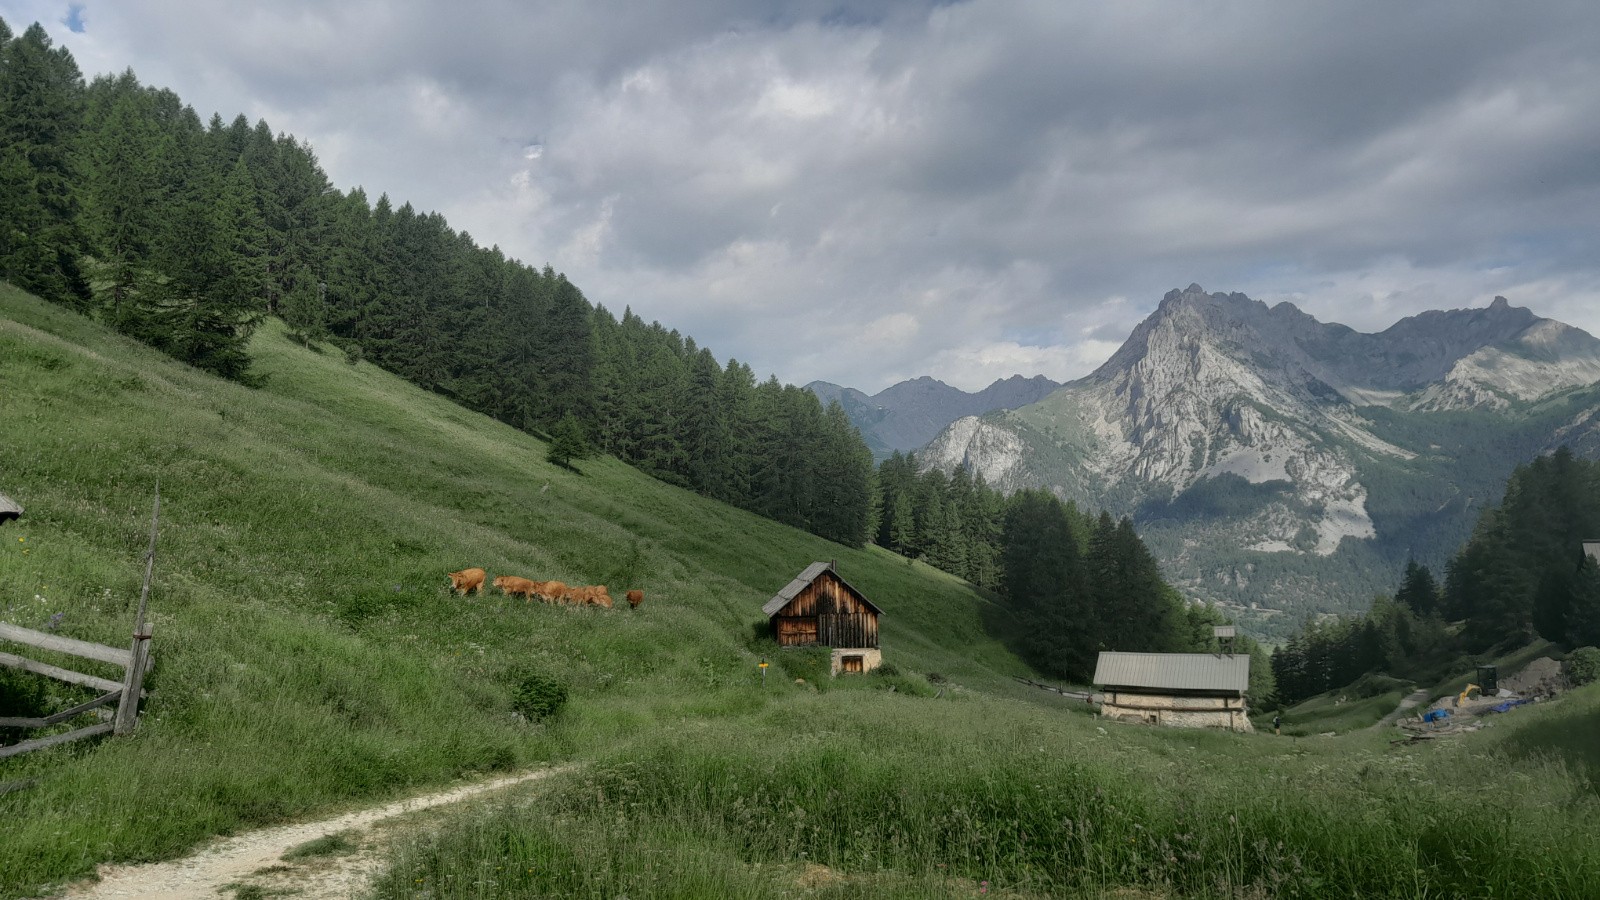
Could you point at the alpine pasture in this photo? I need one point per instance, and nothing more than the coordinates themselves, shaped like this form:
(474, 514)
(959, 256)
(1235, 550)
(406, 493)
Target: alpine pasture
(312, 656)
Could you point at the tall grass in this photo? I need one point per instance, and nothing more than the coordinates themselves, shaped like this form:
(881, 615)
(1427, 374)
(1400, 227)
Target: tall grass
(905, 798)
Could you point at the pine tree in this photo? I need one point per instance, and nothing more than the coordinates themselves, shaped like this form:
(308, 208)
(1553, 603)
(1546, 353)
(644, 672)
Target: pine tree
(567, 442)
(121, 188)
(41, 107)
(302, 308)
(1418, 591)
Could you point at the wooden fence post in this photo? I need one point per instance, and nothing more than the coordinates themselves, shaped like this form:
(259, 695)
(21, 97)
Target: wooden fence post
(128, 707)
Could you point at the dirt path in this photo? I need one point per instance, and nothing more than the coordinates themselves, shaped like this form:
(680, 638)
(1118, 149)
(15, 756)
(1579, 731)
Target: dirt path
(254, 859)
(1410, 701)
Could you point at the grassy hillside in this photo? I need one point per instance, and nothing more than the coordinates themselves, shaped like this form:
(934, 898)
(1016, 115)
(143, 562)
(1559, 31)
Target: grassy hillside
(309, 656)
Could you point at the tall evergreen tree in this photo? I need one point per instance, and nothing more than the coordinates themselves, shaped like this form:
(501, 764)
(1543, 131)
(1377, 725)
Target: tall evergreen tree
(1418, 591)
(41, 107)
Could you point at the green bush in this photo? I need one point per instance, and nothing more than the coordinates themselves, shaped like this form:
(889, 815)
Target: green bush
(1583, 665)
(538, 697)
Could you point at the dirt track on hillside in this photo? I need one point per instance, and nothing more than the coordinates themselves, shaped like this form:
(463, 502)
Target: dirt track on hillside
(1410, 702)
(255, 858)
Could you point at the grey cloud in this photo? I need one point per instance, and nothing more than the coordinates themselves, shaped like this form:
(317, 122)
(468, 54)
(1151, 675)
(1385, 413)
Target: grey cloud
(941, 184)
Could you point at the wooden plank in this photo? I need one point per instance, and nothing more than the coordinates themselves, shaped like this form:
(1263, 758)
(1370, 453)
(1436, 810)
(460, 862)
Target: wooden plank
(62, 644)
(127, 718)
(49, 671)
(64, 715)
(54, 740)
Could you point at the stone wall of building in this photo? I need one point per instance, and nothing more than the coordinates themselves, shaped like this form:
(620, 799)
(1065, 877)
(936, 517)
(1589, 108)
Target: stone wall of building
(1177, 712)
(871, 658)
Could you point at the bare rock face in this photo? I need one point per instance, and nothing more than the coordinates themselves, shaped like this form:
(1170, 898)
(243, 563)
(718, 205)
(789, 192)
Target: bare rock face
(1242, 428)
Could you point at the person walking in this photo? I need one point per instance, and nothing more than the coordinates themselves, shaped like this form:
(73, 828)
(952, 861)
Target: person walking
(1277, 722)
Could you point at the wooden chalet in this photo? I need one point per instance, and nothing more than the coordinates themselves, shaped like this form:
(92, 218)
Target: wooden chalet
(818, 608)
(1186, 690)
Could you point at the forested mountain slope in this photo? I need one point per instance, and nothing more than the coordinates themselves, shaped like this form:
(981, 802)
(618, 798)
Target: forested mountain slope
(1287, 467)
(307, 647)
(120, 203)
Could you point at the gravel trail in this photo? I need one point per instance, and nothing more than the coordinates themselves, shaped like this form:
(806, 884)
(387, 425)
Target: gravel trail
(254, 859)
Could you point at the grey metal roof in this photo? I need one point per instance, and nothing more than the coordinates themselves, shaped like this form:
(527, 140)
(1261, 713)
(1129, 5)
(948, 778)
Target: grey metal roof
(800, 582)
(1174, 671)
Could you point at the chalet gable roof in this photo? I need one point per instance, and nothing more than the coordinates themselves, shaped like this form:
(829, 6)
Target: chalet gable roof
(1174, 671)
(803, 581)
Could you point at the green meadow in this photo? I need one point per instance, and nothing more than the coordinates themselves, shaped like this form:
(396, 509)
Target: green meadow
(310, 658)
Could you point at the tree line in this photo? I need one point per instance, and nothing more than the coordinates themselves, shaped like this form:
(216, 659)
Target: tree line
(117, 201)
(1522, 575)
(1071, 583)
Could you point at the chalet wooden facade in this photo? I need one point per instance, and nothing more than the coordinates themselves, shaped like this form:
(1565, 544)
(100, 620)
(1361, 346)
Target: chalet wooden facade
(818, 608)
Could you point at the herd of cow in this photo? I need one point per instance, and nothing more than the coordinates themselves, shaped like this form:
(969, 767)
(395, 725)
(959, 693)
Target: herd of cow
(468, 580)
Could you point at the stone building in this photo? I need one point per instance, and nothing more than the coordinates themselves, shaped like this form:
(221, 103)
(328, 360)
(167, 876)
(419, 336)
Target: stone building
(1184, 690)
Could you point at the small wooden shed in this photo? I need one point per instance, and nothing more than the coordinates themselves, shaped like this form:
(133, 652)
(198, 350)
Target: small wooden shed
(1185, 690)
(9, 509)
(818, 608)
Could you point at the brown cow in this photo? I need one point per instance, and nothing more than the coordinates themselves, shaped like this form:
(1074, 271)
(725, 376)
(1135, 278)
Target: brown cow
(467, 580)
(635, 598)
(551, 591)
(512, 586)
(593, 596)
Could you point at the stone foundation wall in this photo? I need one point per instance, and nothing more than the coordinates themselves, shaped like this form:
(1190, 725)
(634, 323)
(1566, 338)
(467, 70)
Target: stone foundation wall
(871, 658)
(1178, 712)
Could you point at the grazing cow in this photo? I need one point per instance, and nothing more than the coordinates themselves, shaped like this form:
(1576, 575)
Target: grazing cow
(635, 598)
(468, 580)
(551, 591)
(592, 596)
(512, 586)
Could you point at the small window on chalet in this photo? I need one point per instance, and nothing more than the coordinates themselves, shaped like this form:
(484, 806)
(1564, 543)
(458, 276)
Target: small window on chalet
(851, 664)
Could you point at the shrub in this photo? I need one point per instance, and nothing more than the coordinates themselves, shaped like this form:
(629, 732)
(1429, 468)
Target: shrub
(1583, 665)
(538, 697)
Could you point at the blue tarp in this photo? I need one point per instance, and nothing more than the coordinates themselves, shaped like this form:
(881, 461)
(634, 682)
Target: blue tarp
(1506, 706)
(1436, 715)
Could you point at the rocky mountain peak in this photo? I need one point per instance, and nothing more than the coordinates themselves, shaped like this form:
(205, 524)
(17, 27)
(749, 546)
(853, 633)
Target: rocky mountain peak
(1233, 431)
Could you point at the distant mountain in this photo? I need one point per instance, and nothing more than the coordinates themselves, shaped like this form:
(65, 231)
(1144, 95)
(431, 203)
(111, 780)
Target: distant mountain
(1289, 467)
(908, 415)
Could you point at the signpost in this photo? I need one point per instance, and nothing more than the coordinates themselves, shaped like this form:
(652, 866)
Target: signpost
(763, 667)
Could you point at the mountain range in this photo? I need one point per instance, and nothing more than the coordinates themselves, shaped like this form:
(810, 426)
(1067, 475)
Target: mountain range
(908, 415)
(1285, 467)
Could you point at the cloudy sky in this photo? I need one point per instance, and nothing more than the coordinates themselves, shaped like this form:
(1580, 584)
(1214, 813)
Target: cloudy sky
(866, 192)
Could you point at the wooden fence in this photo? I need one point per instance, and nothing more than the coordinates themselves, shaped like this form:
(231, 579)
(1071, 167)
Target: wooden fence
(135, 662)
(124, 693)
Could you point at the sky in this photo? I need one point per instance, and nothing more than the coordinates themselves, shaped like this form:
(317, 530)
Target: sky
(864, 192)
